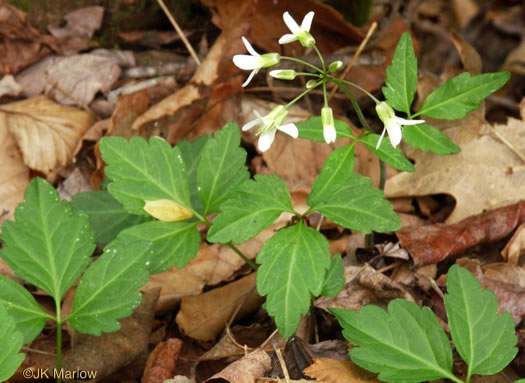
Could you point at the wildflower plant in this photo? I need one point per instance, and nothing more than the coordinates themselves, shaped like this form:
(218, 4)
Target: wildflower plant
(158, 195)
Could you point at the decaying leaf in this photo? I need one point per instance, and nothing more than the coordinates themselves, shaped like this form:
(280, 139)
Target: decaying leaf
(162, 361)
(246, 369)
(336, 371)
(433, 243)
(515, 247)
(48, 134)
(204, 316)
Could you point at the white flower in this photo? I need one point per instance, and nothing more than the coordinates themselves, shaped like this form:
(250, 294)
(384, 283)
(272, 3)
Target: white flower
(254, 61)
(393, 124)
(269, 125)
(327, 117)
(301, 33)
(284, 74)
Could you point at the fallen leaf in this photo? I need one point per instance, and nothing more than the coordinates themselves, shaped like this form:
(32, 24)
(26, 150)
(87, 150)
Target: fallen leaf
(515, 247)
(9, 86)
(204, 316)
(48, 134)
(82, 22)
(246, 369)
(336, 371)
(162, 361)
(433, 243)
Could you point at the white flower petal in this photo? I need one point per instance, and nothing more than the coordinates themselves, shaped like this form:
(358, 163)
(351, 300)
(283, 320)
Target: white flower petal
(249, 78)
(380, 139)
(307, 21)
(329, 134)
(290, 23)
(249, 47)
(394, 132)
(402, 121)
(289, 129)
(250, 124)
(246, 62)
(266, 140)
(288, 38)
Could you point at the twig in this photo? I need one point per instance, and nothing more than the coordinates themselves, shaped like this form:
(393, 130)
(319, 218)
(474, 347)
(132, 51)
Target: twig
(506, 142)
(281, 361)
(356, 55)
(180, 32)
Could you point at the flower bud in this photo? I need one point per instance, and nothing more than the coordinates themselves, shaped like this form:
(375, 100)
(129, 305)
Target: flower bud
(335, 66)
(310, 84)
(283, 74)
(327, 118)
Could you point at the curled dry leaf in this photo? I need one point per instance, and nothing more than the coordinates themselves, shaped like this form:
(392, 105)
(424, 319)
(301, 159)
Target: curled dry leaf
(246, 369)
(433, 243)
(162, 361)
(515, 247)
(335, 371)
(48, 134)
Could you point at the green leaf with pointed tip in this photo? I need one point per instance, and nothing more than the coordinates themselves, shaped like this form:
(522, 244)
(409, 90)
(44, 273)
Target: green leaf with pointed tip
(336, 171)
(293, 263)
(461, 94)
(386, 152)
(254, 205)
(50, 244)
(108, 217)
(401, 76)
(29, 317)
(425, 137)
(358, 206)
(404, 344)
(10, 357)
(312, 129)
(484, 339)
(335, 279)
(174, 243)
(221, 167)
(191, 152)
(108, 289)
(143, 170)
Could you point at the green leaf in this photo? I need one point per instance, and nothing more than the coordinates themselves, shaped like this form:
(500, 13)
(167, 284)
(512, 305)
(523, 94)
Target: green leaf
(108, 217)
(221, 167)
(312, 129)
(143, 170)
(29, 317)
(425, 137)
(10, 357)
(293, 263)
(484, 339)
(174, 243)
(191, 152)
(461, 94)
(336, 171)
(108, 289)
(405, 344)
(386, 152)
(358, 206)
(49, 245)
(401, 76)
(255, 205)
(335, 279)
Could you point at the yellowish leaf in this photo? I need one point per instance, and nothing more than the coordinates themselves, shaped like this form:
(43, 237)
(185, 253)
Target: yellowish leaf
(167, 210)
(335, 371)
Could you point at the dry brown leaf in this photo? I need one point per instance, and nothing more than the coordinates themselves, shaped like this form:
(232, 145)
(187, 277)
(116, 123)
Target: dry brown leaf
(48, 134)
(515, 247)
(162, 361)
(204, 316)
(246, 369)
(14, 176)
(337, 371)
(81, 22)
(485, 175)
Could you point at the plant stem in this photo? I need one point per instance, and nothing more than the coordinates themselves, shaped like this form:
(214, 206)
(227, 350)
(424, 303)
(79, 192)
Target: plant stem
(58, 363)
(357, 108)
(244, 257)
(306, 63)
(320, 58)
(339, 82)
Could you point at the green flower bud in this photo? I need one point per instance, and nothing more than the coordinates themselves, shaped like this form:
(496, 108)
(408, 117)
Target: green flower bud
(335, 66)
(284, 74)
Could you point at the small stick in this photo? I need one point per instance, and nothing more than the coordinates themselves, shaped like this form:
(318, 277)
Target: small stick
(281, 361)
(180, 32)
(507, 143)
(356, 55)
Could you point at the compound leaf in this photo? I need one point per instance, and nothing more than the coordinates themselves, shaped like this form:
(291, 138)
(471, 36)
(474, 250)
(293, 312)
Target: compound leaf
(221, 167)
(174, 243)
(50, 244)
(335, 279)
(29, 317)
(108, 217)
(108, 289)
(386, 152)
(484, 339)
(254, 206)
(358, 206)
(404, 344)
(293, 263)
(336, 171)
(143, 170)
(401, 76)
(12, 341)
(425, 137)
(461, 94)
(312, 129)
